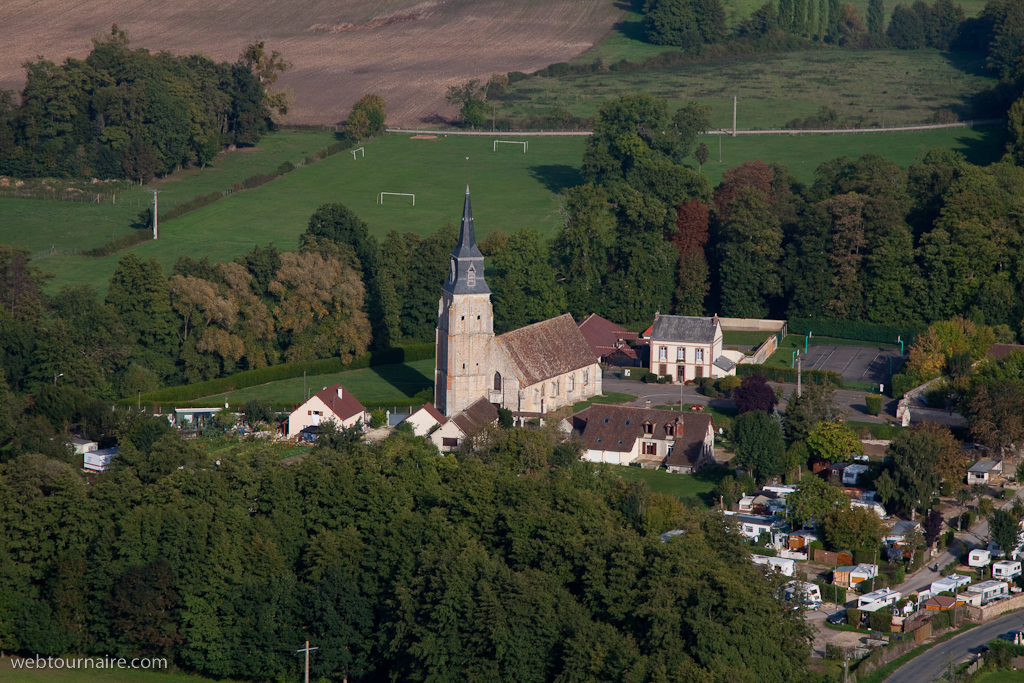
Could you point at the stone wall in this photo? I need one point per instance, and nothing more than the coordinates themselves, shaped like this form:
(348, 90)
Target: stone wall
(989, 612)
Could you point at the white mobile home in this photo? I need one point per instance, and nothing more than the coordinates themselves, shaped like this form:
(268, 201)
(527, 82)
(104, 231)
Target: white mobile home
(979, 558)
(990, 590)
(874, 601)
(1006, 570)
(779, 564)
(951, 583)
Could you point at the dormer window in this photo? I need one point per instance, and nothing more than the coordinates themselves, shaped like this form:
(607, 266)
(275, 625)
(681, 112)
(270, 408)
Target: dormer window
(648, 428)
(471, 276)
(670, 429)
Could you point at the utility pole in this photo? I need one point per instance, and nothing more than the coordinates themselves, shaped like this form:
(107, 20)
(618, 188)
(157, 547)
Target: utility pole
(307, 650)
(734, 116)
(799, 363)
(719, 147)
(155, 193)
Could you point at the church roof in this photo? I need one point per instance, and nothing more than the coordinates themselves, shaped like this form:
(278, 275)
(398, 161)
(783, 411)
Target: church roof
(546, 349)
(684, 328)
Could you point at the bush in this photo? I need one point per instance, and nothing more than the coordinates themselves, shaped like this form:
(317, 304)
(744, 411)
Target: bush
(285, 167)
(116, 245)
(880, 620)
(874, 403)
(832, 593)
(254, 181)
(902, 382)
(834, 652)
(950, 537)
(864, 556)
(727, 384)
(854, 329)
(664, 379)
(940, 620)
(788, 375)
(946, 488)
(815, 545)
(853, 617)
(710, 391)
(378, 418)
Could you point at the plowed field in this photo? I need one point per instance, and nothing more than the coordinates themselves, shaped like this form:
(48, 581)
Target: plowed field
(407, 51)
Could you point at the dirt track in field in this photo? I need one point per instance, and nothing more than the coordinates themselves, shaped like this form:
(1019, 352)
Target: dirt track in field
(408, 51)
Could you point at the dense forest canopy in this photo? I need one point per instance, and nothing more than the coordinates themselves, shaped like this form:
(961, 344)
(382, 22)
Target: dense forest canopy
(124, 113)
(514, 564)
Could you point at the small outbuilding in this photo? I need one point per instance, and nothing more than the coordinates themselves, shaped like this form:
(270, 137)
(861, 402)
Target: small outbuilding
(985, 471)
(467, 423)
(99, 460)
(83, 446)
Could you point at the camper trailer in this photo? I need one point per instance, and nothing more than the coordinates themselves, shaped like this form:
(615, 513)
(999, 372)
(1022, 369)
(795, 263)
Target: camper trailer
(1006, 570)
(809, 593)
(875, 600)
(779, 564)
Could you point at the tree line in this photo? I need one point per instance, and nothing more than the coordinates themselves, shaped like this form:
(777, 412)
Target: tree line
(126, 113)
(517, 563)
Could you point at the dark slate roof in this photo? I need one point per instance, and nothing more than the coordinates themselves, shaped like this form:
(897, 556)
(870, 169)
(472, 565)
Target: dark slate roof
(725, 363)
(546, 349)
(465, 257)
(603, 334)
(986, 465)
(477, 415)
(616, 428)
(344, 407)
(683, 328)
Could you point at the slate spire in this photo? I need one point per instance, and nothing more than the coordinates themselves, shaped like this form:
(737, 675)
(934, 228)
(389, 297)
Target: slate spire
(467, 266)
(467, 238)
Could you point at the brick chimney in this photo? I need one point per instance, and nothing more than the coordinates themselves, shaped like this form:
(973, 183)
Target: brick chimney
(657, 314)
(648, 404)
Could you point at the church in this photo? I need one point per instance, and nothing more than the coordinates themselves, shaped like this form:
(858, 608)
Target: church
(533, 370)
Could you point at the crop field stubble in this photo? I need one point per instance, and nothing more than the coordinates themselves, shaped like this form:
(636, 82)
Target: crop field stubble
(408, 51)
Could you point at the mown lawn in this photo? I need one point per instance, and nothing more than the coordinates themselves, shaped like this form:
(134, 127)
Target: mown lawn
(511, 190)
(680, 485)
(744, 338)
(372, 386)
(1000, 677)
(611, 397)
(38, 225)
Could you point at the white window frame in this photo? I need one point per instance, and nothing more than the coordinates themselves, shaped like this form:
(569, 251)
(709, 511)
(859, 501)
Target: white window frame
(663, 353)
(681, 354)
(698, 356)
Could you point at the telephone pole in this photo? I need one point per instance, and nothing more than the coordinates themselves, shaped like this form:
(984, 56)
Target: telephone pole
(734, 116)
(155, 193)
(307, 650)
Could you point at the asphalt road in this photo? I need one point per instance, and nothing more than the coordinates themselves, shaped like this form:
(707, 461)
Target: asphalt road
(932, 663)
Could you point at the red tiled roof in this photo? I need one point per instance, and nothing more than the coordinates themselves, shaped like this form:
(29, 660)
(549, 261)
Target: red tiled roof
(546, 349)
(603, 335)
(434, 413)
(344, 407)
(1000, 351)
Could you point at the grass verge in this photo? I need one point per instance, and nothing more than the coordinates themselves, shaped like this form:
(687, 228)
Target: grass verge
(610, 398)
(682, 486)
(9, 674)
(884, 432)
(883, 672)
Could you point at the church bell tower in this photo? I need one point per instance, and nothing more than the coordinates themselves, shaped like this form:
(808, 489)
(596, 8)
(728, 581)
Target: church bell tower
(465, 325)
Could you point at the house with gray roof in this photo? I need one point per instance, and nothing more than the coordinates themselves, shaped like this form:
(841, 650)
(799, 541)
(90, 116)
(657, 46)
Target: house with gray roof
(688, 348)
(986, 471)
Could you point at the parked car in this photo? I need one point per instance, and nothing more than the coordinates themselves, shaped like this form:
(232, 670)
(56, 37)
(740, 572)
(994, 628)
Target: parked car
(838, 618)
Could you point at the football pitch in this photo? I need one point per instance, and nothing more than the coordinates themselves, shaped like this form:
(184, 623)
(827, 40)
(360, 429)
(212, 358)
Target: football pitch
(511, 190)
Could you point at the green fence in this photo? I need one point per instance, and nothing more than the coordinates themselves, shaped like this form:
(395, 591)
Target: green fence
(880, 333)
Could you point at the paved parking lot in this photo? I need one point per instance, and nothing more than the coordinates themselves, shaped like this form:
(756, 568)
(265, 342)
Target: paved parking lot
(860, 363)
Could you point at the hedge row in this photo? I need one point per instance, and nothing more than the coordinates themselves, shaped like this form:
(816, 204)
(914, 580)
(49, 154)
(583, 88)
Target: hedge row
(117, 244)
(273, 373)
(198, 202)
(854, 329)
(788, 375)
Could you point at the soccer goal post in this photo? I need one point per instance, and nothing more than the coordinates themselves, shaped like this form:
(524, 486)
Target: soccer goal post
(526, 145)
(397, 194)
(360, 149)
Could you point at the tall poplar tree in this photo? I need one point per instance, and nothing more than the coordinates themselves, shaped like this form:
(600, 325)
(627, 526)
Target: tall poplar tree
(876, 18)
(139, 295)
(749, 252)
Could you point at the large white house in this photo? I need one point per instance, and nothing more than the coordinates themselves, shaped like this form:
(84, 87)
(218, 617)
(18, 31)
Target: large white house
(333, 404)
(685, 347)
(682, 442)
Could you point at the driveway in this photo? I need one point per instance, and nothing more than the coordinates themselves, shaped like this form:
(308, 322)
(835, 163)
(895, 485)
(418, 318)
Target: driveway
(933, 663)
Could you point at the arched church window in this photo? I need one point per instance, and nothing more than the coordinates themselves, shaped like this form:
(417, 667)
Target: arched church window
(497, 381)
(471, 276)
(572, 382)
(586, 377)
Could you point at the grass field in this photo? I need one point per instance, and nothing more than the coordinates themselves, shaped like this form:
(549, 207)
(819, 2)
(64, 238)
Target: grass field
(878, 87)
(626, 39)
(744, 338)
(679, 485)
(1000, 677)
(511, 190)
(372, 386)
(38, 225)
(10, 675)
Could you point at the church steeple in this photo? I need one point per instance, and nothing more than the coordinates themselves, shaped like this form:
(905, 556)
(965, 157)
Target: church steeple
(466, 274)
